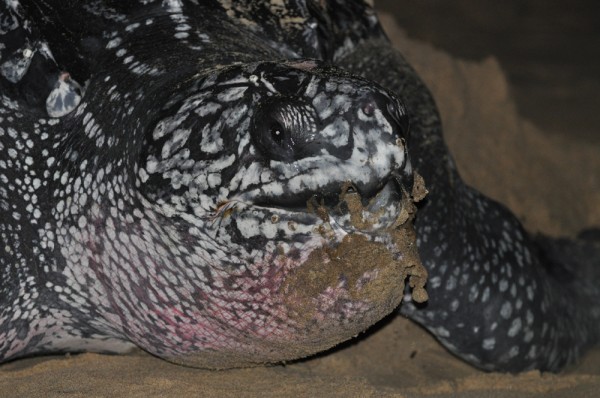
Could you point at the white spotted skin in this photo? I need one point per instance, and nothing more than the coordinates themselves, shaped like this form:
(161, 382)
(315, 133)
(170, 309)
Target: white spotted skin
(155, 168)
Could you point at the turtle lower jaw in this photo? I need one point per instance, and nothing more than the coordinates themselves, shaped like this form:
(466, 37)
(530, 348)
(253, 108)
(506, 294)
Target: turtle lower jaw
(334, 295)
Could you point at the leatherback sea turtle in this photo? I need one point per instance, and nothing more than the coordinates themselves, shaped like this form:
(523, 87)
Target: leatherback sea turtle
(226, 183)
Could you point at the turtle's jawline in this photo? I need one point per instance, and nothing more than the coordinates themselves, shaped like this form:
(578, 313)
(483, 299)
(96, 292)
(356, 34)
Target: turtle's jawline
(334, 201)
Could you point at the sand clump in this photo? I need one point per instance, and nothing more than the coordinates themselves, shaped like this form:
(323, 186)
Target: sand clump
(368, 270)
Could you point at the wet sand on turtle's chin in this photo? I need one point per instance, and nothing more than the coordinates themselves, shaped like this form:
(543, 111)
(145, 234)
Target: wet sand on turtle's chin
(547, 181)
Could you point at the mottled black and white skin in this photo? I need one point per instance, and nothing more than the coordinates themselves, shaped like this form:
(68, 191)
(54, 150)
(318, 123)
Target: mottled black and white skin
(156, 160)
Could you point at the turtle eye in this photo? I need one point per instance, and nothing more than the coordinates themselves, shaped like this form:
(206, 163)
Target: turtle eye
(277, 132)
(285, 129)
(272, 138)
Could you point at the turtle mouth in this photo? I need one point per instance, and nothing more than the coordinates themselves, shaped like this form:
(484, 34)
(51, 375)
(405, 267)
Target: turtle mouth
(347, 207)
(331, 193)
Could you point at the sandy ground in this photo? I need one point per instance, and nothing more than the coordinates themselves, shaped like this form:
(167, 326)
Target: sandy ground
(550, 182)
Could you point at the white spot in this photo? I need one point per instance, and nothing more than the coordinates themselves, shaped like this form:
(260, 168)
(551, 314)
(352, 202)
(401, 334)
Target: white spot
(515, 327)
(506, 310)
(113, 43)
(82, 222)
(489, 344)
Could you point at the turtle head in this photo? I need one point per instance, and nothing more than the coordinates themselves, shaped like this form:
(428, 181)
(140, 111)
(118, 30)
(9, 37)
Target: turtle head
(278, 136)
(281, 192)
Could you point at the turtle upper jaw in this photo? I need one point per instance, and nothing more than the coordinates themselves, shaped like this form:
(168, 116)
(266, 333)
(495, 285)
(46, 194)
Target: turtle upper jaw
(344, 206)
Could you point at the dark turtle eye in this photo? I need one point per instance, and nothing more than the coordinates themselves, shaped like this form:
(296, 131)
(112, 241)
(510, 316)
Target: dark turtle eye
(277, 132)
(284, 129)
(272, 138)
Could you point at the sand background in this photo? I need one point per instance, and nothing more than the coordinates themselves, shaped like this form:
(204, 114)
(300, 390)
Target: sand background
(551, 181)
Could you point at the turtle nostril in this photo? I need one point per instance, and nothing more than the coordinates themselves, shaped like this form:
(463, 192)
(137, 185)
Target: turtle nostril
(368, 109)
